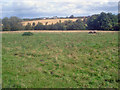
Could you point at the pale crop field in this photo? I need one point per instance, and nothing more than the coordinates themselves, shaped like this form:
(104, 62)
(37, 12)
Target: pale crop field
(48, 21)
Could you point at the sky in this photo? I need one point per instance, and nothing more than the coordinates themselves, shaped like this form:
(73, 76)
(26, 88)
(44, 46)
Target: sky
(60, 8)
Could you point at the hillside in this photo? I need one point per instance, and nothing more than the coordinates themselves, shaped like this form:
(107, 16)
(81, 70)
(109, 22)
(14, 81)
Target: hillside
(48, 21)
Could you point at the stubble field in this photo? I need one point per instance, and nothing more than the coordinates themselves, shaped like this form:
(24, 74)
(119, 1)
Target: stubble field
(48, 21)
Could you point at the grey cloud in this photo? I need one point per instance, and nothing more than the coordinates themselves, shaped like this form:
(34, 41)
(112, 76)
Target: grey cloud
(109, 7)
(21, 9)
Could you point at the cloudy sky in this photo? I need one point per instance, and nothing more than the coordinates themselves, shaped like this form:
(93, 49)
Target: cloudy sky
(49, 8)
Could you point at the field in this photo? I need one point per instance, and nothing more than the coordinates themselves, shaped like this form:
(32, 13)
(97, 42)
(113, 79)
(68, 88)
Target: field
(60, 60)
(48, 21)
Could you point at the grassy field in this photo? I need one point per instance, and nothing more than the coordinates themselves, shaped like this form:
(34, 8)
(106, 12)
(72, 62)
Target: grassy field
(60, 60)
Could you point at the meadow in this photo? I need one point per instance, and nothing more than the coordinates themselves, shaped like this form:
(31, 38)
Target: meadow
(60, 60)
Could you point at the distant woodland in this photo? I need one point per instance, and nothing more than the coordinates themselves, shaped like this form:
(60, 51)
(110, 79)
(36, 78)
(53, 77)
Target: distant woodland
(102, 21)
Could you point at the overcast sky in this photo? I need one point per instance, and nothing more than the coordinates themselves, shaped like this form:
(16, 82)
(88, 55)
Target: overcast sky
(49, 8)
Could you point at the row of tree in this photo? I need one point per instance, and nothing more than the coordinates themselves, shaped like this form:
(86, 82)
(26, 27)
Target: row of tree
(67, 25)
(12, 24)
(103, 21)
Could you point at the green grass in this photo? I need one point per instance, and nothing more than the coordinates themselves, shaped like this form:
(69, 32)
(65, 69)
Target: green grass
(60, 60)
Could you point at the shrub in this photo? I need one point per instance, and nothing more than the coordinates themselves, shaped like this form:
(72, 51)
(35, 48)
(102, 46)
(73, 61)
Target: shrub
(27, 34)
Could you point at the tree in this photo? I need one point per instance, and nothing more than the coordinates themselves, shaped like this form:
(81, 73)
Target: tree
(91, 22)
(60, 21)
(28, 27)
(12, 23)
(72, 16)
(79, 25)
(6, 27)
(33, 24)
(15, 23)
(6, 24)
(60, 26)
(0, 22)
(46, 23)
(103, 21)
(39, 26)
(68, 25)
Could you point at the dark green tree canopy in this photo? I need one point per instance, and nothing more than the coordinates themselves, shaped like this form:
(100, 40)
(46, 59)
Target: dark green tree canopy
(28, 27)
(72, 16)
(103, 21)
(12, 24)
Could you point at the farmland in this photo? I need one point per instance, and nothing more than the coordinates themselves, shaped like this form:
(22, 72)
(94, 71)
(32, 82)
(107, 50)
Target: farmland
(48, 21)
(60, 60)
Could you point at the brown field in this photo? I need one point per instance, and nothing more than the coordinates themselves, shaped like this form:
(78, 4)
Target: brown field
(48, 21)
(36, 31)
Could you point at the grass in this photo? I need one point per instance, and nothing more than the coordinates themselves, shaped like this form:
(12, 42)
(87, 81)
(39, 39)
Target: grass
(60, 60)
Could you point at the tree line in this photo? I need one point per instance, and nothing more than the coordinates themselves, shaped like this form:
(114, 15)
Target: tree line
(102, 21)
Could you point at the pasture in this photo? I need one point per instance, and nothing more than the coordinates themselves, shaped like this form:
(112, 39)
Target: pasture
(60, 60)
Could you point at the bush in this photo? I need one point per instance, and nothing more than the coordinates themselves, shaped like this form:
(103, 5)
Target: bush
(27, 34)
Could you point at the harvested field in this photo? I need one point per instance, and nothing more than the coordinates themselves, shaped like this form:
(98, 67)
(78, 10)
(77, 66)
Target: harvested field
(48, 21)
